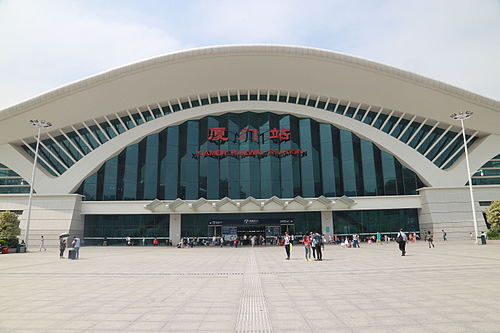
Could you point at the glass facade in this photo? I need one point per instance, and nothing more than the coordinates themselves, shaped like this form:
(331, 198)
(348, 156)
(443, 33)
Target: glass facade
(11, 182)
(249, 154)
(117, 227)
(489, 173)
(372, 221)
(59, 152)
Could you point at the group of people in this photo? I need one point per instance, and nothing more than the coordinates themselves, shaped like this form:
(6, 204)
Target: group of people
(75, 244)
(313, 243)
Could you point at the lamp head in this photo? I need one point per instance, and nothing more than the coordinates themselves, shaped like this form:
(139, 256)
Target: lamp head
(40, 123)
(462, 115)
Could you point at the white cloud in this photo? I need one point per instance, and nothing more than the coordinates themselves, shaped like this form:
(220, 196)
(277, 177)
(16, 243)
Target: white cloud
(456, 42)
(45, 44)
(50, 43)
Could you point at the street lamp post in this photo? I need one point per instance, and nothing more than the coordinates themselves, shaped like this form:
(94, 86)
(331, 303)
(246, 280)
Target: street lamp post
(463, 116)
(39, 124)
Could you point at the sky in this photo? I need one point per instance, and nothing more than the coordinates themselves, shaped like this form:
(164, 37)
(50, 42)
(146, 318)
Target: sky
(45, 44)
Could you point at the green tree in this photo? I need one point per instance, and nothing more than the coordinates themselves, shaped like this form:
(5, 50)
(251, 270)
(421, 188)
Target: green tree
(9, 228)
(493, 215)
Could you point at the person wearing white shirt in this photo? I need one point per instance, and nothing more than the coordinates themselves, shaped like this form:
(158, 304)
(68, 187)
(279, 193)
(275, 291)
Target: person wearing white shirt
(76, 247)
(287, 245)
(401, 239)
(42, 244)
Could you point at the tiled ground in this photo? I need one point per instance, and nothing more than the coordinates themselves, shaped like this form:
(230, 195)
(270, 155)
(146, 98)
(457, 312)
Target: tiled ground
(451, 288)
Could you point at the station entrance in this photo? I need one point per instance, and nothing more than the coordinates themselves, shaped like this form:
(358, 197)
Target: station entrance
(245, 228)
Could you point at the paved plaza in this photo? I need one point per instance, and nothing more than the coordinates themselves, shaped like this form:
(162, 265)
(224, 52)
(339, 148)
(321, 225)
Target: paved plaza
(451, 288)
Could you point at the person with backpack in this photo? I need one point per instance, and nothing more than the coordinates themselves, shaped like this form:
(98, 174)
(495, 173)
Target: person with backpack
(316, 243)
(401, 239)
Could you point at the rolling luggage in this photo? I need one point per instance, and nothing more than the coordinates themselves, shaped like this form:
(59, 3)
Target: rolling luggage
(72, 254)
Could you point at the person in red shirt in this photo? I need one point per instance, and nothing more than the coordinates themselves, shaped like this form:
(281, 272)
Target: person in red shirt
(307, 245)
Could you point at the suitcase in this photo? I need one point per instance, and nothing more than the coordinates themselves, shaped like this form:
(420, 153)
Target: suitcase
(72, 254)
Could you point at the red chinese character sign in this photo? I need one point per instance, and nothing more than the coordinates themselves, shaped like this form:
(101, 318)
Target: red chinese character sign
(221, 135)
(217, 134)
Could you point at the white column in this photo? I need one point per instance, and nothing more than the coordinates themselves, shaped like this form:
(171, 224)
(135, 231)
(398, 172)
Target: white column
(175, 228)
(327, 223)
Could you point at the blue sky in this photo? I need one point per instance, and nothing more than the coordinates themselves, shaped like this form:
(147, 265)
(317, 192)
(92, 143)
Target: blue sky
(45, 44)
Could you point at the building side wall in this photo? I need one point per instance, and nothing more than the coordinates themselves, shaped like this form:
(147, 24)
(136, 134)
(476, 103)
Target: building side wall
(449, 209)
(50, 216)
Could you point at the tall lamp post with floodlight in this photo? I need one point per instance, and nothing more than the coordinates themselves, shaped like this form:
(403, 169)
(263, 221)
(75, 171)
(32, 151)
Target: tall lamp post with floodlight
(463, 116)
(39, 124)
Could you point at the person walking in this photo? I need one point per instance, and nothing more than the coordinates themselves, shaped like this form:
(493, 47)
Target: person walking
(401, 239)
(62, 247)
(287, 240)
(307, 245)
(379, 238)
(355, 241)
(252, 240)
(42, 244)
(430, 238)
(76, 247)
(316, 242)
(444, 235)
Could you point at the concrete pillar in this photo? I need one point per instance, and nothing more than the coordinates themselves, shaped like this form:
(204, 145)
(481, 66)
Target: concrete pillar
(327, 223)
(175, 228)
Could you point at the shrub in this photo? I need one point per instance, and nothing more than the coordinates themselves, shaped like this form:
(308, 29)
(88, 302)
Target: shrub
(9, 229)
(493, 234)
(10, 243)
(493, 215)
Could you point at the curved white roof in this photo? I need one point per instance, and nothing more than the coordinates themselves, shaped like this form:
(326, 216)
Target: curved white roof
(268, 67)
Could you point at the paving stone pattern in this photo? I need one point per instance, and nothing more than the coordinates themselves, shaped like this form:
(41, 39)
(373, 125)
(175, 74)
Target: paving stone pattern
(451, 288)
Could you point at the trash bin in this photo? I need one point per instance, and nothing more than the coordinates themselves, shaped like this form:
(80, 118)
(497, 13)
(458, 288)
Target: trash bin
(20, 248)
(482, 240)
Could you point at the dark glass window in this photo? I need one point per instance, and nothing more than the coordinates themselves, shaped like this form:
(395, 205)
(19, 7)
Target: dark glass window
(434, 135)
(369, 222)
(147, 115)
(331, 106)
(400, 126)
(329, 162)
(350, 112)
(369, 117)
(115, 228)
(360, 114)
(420, 134)
(157, 112)
(390, 124)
